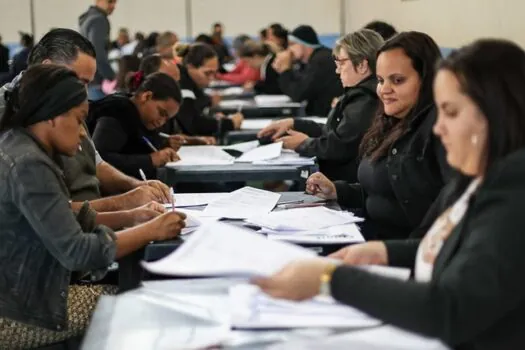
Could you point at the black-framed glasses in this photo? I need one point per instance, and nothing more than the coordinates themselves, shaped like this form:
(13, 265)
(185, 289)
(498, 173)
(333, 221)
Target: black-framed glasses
(338, 60)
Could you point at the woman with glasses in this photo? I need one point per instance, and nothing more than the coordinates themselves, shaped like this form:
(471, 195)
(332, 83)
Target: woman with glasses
(336, 144)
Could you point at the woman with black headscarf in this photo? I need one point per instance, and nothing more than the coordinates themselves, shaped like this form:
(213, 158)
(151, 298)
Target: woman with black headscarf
(45, 245)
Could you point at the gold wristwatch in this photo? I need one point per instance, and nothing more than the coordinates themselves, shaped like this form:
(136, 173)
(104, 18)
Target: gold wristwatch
(326, 280)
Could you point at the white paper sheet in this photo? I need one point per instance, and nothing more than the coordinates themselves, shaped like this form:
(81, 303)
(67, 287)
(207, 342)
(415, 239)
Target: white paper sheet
(243, 146)
(243, 203)
(257, 124)
(304, 219)
(201, 155)
(184, 200)
(399, 273)
(231, 91)
(255, 310)
(272, 100)
(287, 157)
(266, 152)
(219, 249)
(343, 234)
(234, 103)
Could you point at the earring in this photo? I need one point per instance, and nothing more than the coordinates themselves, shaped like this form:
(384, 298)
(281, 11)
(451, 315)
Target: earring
(474, 139)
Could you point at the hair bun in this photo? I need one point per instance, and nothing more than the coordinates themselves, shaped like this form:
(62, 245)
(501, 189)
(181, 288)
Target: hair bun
(181, 49)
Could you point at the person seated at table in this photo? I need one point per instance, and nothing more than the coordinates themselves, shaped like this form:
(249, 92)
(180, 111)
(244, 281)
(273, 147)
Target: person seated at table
(45, 245)
(317, 83)
(260, 56)
(402, 167)
(278, 36)
(467, 289)
(124, 128)
(242, 72)
(86, 174)
(199, 68)
(126, 65)
(336, 144)
(153, 64)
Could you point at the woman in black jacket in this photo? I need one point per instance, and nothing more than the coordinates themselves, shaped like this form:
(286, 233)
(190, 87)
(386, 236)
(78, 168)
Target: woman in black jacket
(403, 165)
(125, 131)
(260, 56)
(199, 68)
(468, 289)
(336, 144)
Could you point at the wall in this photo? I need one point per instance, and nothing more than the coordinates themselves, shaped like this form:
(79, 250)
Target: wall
(450, 22)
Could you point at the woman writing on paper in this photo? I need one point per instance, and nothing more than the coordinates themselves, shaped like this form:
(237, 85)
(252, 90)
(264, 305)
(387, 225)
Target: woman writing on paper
(336, 144)
(45, 245)
(124, 128)
(468, 288)
(402, 167)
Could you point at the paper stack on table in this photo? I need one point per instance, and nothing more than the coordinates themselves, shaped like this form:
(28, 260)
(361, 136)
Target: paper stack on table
(201, 155)
(219, 249)
(252, 309)
(287, 157)
(243, 203)
(272, 100)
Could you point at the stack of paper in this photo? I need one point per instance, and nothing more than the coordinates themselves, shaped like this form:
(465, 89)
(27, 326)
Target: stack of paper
(243, 203)
(231, 91)
(235, 103)
(201, 155)
(255, 310)
(256, 124)
(304, 219)
(186, 200)
(262, 153)
(287, 157)
(195, 219)
(219, 249)
(242, 146)
(341, 234)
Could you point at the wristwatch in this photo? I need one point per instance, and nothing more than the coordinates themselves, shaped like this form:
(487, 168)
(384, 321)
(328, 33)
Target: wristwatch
(326, 280)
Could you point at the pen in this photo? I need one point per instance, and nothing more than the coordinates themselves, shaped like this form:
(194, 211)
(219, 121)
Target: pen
(172, 194)
(150, 145)
(164, 135)
(143, 176)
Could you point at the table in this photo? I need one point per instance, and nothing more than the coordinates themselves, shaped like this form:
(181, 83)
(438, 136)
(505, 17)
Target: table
(143, 321)
(237, 172)
(251, 110)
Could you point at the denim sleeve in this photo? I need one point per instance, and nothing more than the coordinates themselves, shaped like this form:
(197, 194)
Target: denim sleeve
(36, 191)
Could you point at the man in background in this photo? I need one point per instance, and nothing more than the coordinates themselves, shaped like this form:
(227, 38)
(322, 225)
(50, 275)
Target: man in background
(165, 42)
(94, 25)
(19, 62)
(4, 57)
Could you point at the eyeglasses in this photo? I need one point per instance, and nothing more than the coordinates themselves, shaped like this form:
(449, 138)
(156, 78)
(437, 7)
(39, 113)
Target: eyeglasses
(340, 61)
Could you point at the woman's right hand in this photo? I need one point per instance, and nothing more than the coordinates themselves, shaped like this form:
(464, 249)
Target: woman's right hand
(237, 120)
(277, 129)
(320, 186)
(370, 253)
(168, 225)
(166, 155)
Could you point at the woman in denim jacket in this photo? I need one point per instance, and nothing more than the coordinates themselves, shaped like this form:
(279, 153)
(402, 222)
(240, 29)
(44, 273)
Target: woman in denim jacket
(44, 245)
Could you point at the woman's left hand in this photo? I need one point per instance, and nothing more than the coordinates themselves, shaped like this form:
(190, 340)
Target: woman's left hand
(293, 140)
(299, 280)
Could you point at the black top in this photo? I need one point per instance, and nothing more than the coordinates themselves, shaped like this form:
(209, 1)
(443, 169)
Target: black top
(4, 59)
(192, 118)
(396, 191)
(118, 135)
(317, 83)
(18, 65)
(269, 83)
(336, 144)
(476, 299)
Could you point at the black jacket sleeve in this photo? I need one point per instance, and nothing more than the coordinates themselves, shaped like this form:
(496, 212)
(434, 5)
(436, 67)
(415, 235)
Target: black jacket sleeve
(476, 286)
(270, 85)
(350, 195)
(110, 138)
(303, 85)
(342, 142)
(308, 127)
(194, 123)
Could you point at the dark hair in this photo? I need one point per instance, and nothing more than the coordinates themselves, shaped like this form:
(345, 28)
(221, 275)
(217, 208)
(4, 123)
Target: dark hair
(252, 49)
(492, 73)
(217, 24)
(195, 54)
(151, 40)
(239, 41)
(281, 33)
(60, 46)
(385, 130)
(204, 39)
(150, 64)
(127, 64)
(382, 28)
(139, 36)
(162, 86)
(26, 40)
(263, 33)
(28, 99)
